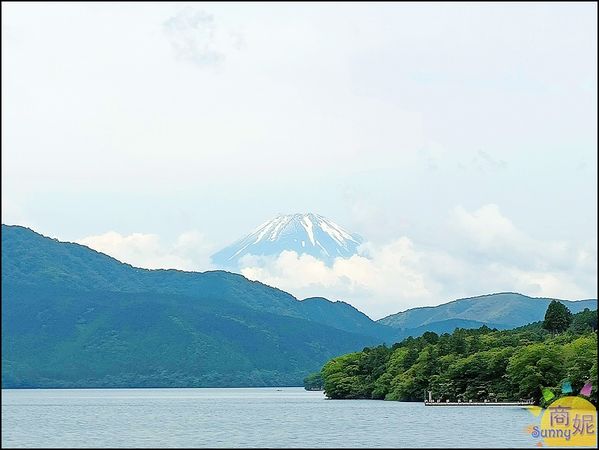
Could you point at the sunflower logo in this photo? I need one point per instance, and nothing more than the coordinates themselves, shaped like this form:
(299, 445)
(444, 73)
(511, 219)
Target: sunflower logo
(569, 421)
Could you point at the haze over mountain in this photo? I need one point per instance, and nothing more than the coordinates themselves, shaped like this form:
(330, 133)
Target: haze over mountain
(307, 233)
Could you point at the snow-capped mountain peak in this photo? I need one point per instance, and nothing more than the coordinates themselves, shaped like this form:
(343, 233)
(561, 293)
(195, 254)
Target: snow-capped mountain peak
(307, 233)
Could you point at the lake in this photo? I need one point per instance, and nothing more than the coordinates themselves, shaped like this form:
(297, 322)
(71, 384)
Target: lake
(252, 417)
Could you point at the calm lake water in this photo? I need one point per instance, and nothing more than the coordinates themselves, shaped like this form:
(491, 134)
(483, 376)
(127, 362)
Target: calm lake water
(261, 417)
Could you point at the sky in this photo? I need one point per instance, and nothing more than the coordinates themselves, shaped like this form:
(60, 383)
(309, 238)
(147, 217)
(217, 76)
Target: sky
(459, 139)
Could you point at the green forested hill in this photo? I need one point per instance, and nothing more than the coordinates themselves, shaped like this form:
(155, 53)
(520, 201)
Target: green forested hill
(502, 310)
(345, 317)
(471, 364)
(75, 317)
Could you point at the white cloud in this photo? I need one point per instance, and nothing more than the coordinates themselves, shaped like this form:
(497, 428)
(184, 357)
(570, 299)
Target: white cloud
(486, 253)
(194, 37)
(490, 236)
(489, 254)
(378, 281)
(190, 251)
(486, 225)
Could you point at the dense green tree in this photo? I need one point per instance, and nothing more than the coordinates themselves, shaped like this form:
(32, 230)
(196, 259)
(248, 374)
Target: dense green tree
(469, 365)
(314, 382)
(411, 357)
(594, 380)
(557, 317)
(457, 342)
(584, 321)
(430, 337)
(342, 379)
(404, 387)
(382, 386)
(579, 356)
(533, 367)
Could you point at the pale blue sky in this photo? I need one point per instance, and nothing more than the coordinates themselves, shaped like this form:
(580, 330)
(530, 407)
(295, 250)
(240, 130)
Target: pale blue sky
(391, 119)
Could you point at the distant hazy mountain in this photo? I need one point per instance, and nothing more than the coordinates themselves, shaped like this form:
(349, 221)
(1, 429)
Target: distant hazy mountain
(449, 326)
(503, 310)
(303, 233)
(72, 316)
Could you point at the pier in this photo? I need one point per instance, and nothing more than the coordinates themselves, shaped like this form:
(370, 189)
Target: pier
(431, 402)
(471, 403)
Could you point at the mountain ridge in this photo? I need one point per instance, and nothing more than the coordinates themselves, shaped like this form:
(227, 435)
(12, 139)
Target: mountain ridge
(75, 317)
(496, 308)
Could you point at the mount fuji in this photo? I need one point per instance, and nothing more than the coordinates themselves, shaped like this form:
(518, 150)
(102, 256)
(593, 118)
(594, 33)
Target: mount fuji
(308, 233)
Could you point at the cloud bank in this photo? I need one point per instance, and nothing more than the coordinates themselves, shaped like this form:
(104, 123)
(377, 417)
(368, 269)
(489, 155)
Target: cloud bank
(189, 251)
(486, 254)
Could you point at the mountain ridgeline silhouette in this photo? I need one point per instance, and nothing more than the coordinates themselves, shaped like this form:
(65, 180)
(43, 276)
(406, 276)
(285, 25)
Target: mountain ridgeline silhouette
(74, 317)
(502, 311)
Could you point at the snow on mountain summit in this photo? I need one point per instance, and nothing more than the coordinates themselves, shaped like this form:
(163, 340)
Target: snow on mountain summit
(308, 233)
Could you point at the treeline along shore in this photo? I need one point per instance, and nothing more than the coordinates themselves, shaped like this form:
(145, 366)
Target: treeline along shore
(473, 365)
